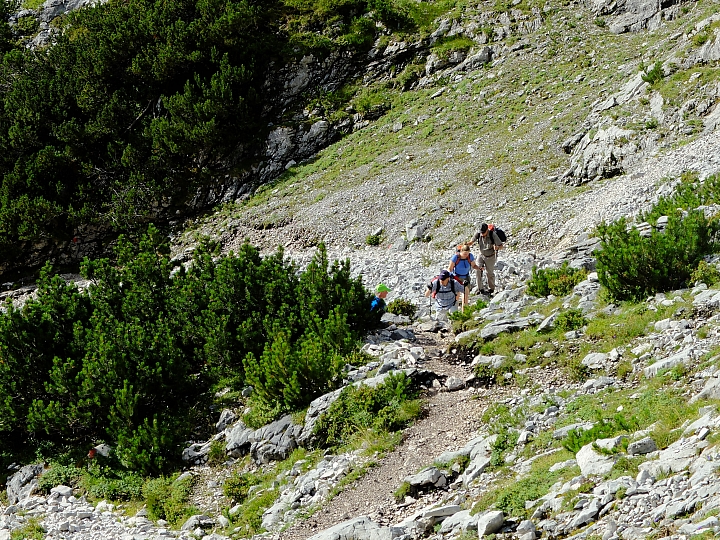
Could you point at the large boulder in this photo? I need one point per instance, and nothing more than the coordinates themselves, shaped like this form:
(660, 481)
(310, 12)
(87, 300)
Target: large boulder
(360, 528)
(592, 462)
(490, 522)
(22, 484)
(599, 156)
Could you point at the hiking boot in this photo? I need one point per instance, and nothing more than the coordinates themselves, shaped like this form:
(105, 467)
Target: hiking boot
(491, 292)
(485, 291)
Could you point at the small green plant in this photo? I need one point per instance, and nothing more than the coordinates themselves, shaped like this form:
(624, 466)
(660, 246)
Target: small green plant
(31, 530)
(506, 439)
(167, 498)
(217, 455)
(463, 320)
(652, 123)
(57, 474)
(488, 375)
(390, 406)
(373, 240)
(654, 75)
(400, 306)
(402, 492)
(572, 319)
(705, 273)
(556, 281)
(604, 428)
(600, 22)
(237, 487)
(114, 485)
(700, 39)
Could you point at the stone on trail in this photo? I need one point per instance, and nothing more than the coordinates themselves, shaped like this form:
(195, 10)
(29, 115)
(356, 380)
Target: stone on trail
(430, 476)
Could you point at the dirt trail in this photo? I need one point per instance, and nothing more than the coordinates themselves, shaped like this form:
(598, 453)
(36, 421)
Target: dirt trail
(451, 420)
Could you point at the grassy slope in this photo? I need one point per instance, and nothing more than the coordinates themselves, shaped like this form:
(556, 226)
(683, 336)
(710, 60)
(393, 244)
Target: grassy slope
(483, 147)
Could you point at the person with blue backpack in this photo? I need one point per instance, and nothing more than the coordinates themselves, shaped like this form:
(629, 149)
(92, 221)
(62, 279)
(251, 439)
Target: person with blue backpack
(461, 264)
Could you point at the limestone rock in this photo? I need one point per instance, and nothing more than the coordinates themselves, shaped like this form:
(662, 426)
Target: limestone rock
(490, 522)
(592, 462)
(643, 446)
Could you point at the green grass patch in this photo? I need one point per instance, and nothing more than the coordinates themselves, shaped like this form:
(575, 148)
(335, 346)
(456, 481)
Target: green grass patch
(511, 494)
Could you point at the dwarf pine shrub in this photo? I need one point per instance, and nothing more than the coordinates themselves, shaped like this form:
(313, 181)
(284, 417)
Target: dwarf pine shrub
(632, 267)
(400, 306)
(556, 281)
(387, 407)
(133, 360)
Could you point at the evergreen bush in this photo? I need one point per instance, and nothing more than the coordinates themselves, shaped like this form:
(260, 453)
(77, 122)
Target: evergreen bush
(572, 319)
(705, 273)
(632, 267)
(653, 75)
(556, 281)
(387, 407)
(400, 306)
(138, 104)
(133, 360)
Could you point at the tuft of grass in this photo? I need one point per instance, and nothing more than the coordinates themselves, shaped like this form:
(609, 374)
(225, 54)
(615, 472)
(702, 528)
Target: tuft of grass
(31, 530)
(373, 239)
(402, 492)
(511, 494)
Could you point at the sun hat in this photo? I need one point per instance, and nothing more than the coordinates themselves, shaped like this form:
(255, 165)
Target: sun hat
(382, 288)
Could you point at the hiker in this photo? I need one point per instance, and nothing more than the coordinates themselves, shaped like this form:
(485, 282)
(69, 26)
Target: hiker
(460, 264)
(489, 244)
(378, 304)
(447, 292)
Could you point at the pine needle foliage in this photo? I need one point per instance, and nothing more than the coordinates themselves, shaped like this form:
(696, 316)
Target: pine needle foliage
(133, 360)
(557, 281)
(633, 267)
(138, 104)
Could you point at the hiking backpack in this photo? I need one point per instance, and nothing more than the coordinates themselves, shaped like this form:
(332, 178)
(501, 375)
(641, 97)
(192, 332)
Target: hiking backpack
(434, 284)
(500, 233)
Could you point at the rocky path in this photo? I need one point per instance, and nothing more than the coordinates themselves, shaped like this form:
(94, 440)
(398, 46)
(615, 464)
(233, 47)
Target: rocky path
(449, 416)
(451, 420)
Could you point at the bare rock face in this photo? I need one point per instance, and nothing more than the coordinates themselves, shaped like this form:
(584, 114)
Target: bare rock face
(600, 155)
(634, 15)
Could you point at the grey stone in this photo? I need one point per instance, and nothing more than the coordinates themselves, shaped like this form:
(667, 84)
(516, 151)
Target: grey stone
(682, 357)
(227, 417)
(454, 383)
(427, 477)
(197, 521)
(490, 522)
(593, 463)
(442, 511)
(360, 528)
(675, 458)
(21, 484)
(643, 446)
(711, 390)
(62, 491)
(461, 521)
(562, 432)
(586, 515)
(595, 360)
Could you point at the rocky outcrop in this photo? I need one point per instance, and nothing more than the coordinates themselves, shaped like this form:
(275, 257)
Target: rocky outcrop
(634, 15)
